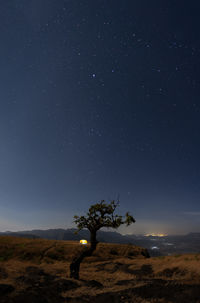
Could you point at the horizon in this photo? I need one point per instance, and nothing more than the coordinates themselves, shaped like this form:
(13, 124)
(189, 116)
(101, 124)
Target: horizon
(116, 231)
(140, 227)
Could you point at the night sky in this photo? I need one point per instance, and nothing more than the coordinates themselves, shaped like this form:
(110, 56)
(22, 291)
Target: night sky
(100, 98)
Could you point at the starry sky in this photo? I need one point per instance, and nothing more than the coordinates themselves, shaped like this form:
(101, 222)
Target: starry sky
(99, 99)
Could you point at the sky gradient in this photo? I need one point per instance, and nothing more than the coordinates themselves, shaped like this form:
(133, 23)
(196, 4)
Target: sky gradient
(100, 98)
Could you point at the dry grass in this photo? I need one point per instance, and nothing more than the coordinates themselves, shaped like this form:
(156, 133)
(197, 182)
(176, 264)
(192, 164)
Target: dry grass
(117, 267)
(38, 250)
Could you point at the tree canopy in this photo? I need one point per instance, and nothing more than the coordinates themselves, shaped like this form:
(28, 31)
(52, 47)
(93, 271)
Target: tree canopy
(102, 215)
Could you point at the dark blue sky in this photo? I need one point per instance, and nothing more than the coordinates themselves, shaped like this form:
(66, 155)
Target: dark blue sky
(100, 98)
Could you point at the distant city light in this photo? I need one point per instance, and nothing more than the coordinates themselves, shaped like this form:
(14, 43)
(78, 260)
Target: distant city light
(155, 235)
(168, 244)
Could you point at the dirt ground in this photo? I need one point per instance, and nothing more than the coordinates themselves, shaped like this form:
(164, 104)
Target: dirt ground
(114, 278)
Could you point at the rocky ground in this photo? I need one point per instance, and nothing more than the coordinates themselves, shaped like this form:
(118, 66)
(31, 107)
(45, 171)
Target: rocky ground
(114, 278)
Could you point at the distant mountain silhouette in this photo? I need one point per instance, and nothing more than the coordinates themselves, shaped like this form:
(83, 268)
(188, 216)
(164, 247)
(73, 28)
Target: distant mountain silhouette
(156, 246)
(68, 234)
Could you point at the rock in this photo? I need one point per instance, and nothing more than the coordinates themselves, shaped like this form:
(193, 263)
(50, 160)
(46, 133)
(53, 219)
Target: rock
(33, 270)
(3, 273)
(145, 253)
(30, 298)
(94, 283)
(169, 272)
(144, 271)
(35, 276)
(123, 282)
(43, 294)
(64, 285)
(6, 289)
(168, 290)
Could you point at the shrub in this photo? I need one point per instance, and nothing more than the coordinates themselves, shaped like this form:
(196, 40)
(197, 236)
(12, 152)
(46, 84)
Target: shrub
(131, 254)
(114, 252)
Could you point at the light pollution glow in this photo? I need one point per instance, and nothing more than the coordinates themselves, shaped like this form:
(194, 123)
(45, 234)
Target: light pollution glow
(155, 235)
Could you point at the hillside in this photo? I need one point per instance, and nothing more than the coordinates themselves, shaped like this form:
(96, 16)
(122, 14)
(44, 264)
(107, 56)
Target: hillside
(157, 246)
(37, 270)
(40, 250)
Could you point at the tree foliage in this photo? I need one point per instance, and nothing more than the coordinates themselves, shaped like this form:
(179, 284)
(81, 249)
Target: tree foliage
(102, 215)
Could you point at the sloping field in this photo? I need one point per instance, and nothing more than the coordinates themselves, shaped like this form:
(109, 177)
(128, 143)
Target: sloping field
(38, 271)
(40, 250)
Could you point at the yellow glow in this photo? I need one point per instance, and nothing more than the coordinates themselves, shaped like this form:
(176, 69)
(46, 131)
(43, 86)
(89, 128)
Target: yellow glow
(156, 235)
(83, 241)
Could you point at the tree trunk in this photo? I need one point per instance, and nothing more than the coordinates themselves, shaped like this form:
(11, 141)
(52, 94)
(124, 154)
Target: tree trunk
(75, 264)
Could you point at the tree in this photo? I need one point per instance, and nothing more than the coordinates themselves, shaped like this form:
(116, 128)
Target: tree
(99, 215)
